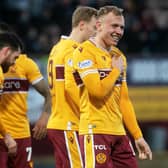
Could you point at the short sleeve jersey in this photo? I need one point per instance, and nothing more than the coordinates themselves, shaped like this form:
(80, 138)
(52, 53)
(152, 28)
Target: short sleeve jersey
(97, 115)
(64, 115)
(13, 106)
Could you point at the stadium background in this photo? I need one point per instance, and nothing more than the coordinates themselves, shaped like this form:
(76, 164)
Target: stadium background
(40, 24)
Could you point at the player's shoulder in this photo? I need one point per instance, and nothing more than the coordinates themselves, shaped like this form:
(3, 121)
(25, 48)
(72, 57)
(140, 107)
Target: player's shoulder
(25, 61)
(84, 47)
(116, 51)
(24, 58)
(64, 46)
(21, 59)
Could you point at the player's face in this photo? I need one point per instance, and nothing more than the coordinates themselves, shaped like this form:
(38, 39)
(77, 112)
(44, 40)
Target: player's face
(90, 28)
(10, 59)
(111, 29)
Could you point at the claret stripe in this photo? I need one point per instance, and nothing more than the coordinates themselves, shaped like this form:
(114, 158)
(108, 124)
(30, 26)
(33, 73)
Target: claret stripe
(12, 85)
(77, 78)
(59, 72)
(104, 72)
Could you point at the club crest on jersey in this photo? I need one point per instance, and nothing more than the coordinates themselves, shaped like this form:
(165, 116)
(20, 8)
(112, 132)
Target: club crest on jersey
(85, 64)
(101, 158)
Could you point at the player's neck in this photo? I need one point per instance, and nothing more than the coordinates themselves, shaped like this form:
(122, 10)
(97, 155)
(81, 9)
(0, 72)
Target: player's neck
(100, 44)
(75, 35)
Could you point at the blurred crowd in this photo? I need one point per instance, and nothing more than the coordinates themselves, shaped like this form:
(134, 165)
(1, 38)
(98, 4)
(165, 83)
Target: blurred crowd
(41, 22)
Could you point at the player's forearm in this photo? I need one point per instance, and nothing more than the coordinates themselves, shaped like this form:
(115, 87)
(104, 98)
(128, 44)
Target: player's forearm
(43, 89)
(130, 120)
(47, 104)
(100, 88)
(128, 113)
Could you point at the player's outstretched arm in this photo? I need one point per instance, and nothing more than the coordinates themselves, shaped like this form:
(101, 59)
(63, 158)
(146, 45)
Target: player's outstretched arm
(40, 128)
(128, 112)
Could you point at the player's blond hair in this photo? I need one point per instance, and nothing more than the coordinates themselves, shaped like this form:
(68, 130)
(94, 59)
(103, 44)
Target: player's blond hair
(83, 13)
(107, 9)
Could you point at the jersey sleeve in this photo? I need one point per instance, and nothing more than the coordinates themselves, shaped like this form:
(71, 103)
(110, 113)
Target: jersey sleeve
(127, 109)
(86, 66)
(32, 71)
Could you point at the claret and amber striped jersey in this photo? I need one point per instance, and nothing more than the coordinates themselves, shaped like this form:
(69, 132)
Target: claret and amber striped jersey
(99, 107)
(13, 106)
(65, 114)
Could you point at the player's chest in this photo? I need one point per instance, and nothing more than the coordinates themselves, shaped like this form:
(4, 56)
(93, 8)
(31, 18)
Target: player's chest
(15, 72)
(103, 60)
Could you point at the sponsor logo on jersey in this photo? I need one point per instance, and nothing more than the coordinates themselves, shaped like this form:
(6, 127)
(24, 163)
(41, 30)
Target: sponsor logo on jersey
(85, 64)
(100, 147)
(104, 72)
(101, 158)
(11, 84)
(15, 85)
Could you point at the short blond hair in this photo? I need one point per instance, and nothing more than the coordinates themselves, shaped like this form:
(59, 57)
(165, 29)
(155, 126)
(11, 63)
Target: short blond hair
(107, 9)
(83, 13)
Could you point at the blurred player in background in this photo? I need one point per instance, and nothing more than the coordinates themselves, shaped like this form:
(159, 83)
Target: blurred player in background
(10, 49)
(104, 101)
(13, 109)
(64, 119)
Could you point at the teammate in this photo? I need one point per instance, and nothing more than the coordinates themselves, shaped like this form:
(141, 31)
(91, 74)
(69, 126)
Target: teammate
(19, 77)
(104, 101)
(10, 48)
(64, 119)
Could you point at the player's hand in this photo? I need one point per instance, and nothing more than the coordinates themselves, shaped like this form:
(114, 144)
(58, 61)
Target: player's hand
(40, 128)
(117, 62)
(143, 149)
(11, 144)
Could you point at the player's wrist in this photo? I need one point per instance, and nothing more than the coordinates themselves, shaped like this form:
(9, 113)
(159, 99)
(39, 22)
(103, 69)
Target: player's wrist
(137, 135)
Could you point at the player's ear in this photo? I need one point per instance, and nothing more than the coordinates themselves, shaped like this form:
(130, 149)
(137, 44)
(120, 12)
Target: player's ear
(81, 25)
(98, 24)
(5, 51)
